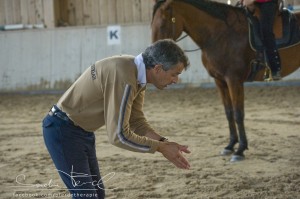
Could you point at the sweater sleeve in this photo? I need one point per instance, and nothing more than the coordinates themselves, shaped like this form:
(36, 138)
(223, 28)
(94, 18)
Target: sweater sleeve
(118, 103)
(138, 122)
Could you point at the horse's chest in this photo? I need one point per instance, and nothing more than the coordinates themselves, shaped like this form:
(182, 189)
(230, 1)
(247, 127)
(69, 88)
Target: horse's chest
(214, 73)
(213, 68)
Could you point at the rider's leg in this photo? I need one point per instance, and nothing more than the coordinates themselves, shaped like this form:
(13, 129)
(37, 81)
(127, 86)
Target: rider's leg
(268, 13)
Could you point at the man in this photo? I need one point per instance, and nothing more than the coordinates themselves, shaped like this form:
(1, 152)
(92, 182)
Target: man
(111, 92)
(268, 9)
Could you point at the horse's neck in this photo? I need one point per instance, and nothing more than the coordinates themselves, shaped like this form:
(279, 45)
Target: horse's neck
(206, 29)
(201, 28)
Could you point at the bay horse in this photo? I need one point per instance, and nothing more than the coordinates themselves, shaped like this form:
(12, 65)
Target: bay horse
(221, 32)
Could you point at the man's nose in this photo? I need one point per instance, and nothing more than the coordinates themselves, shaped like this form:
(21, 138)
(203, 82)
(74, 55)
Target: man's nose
(175, 80)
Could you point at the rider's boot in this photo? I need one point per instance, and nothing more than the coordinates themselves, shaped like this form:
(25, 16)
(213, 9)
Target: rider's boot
(274, 64)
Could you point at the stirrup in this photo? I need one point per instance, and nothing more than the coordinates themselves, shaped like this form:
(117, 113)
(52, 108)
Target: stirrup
(268, 76)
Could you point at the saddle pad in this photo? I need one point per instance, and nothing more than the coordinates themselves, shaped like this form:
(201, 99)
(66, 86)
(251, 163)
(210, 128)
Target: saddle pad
(290, 31)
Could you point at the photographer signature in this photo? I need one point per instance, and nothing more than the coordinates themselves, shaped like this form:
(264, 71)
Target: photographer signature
(20, 180)
(76, 178)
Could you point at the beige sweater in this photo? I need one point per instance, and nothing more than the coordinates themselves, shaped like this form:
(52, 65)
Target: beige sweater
(108, 93)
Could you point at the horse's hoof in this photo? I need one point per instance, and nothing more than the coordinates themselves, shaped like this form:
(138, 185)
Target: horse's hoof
(237, 158)
(226, 152)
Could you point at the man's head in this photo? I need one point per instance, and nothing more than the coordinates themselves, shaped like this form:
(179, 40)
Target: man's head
(164, 61)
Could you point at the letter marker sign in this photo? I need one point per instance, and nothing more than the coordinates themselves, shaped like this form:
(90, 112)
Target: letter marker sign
(113, 35)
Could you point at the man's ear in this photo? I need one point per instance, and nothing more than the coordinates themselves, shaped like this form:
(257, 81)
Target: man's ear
(157, 68)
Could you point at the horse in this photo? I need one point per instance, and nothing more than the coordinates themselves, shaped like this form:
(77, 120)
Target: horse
(222, 33)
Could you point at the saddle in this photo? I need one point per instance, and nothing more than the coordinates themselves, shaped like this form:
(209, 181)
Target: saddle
(285, 22)
(286, 30)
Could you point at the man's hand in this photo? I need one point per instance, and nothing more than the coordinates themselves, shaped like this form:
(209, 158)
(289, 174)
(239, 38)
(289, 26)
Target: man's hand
(173, 152)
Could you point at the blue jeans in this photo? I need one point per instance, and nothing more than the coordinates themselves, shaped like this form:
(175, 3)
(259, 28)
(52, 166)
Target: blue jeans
(73, 152)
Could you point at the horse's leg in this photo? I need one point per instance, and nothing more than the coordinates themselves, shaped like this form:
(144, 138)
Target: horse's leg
(236, 90)
(224, 92)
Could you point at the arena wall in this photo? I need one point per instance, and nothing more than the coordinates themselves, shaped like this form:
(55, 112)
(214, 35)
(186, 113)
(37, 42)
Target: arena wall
(51, 59)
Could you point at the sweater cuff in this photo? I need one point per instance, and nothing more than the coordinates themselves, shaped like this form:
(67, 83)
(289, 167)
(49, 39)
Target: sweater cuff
(154, 146)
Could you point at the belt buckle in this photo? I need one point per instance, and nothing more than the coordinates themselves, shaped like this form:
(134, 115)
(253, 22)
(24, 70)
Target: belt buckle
(50, 113)
(53, 109)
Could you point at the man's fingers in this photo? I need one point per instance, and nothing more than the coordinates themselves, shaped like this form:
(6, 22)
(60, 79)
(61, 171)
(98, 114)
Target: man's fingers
(184, 149)
(173, 152)
(185, 162)
(181, 162)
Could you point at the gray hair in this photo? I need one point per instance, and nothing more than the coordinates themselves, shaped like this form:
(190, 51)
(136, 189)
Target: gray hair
(166, 53)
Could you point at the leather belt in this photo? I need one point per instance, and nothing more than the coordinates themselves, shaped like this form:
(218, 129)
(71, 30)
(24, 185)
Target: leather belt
(55, 111)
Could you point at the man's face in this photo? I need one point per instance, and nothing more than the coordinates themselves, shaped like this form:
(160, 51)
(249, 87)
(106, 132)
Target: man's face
(162, 78)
